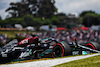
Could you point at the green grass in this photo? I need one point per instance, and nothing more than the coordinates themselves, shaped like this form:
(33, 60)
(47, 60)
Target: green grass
(12, 33)
(88, 62)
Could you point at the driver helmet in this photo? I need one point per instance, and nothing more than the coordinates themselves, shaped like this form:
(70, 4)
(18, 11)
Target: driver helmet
(33, 35)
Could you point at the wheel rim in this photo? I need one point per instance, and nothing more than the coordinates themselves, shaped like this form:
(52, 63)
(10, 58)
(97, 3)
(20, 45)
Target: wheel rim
(58, 51)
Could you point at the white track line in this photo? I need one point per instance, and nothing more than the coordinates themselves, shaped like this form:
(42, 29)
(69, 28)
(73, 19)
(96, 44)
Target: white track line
(49, 63)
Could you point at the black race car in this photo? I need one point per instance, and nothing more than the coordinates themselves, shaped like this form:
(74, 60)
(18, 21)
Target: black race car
(28, 48)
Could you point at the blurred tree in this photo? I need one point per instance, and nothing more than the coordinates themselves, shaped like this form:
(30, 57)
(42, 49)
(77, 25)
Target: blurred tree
(0, 18)
(19, 9)
(47, 22)
(61, 14)
(55, 20)
(28, 19)
(63, 20)
(21, 21)
(85, 12)
(13, 21)
(38, 8)
(89, 18)
(38, 22)
(98, 19)
(1, 21)
(13, 8)
(8, 21)
(47, 9)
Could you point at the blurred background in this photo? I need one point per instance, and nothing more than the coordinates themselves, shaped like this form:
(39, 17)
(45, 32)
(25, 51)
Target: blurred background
(60, 19)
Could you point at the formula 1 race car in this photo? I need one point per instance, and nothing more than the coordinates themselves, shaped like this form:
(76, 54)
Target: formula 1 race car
(26, 48)
(48, 47)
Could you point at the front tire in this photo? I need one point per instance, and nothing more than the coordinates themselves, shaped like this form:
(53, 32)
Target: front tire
(93, 45)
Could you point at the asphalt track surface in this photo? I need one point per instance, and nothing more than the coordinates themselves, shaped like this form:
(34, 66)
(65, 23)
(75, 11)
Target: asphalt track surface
(49, 63)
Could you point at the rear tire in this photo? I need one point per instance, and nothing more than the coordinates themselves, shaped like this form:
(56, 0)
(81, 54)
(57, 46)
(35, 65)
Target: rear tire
(61, 49)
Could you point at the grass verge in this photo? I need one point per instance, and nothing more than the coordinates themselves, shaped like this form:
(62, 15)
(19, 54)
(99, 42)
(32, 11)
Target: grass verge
(12, 33)
(87, 62)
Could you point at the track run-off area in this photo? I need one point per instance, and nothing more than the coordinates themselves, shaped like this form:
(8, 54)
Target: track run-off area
(49, 63)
